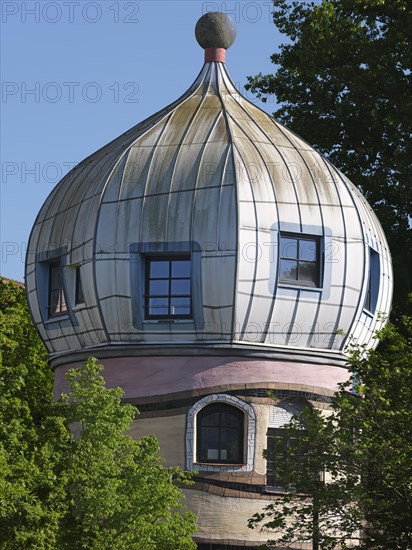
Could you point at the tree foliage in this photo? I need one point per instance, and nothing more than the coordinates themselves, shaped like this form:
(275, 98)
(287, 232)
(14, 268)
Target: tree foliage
(364, 449)
(119, 494)
(70, 476)
(28, 484)
(343, 82)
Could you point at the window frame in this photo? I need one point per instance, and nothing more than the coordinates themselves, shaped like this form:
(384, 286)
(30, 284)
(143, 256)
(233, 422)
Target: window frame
(250, 435)
(318, 262)
(280, 417)
(220, 408)
(170, 258)
(138, 252)
(273, 456)
(373, 282)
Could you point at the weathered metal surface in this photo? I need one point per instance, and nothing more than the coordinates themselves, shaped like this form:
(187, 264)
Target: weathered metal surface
(212, 170)
(215, 30)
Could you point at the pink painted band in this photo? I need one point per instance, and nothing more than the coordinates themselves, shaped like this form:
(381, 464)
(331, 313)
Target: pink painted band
(161, 375)
(215, 54)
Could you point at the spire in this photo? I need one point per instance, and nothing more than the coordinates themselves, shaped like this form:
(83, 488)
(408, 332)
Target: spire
(215, 32)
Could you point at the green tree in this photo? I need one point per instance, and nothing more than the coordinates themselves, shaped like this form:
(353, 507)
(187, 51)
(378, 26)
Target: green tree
(364, 449)
(343, 82)
(29, 491)
(70, 477)
(119, 494)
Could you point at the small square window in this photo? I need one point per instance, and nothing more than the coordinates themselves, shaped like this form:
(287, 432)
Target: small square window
(299, 260)
(56, 299)
(168, 287)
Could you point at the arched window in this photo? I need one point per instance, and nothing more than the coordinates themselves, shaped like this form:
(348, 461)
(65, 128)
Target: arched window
(197, 443)
(220, 434)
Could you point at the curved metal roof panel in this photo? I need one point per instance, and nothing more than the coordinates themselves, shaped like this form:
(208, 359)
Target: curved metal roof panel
(213, 175)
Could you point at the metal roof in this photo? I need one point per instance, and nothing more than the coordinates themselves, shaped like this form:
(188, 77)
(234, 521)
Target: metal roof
(213, 171)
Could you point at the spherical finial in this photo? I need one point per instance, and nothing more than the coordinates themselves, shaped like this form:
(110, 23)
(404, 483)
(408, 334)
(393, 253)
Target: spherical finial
(215, 30)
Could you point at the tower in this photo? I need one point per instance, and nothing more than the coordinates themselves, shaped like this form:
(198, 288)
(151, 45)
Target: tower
(207, 256)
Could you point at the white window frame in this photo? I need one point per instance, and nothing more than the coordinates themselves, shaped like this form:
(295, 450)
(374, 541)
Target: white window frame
(250, 435)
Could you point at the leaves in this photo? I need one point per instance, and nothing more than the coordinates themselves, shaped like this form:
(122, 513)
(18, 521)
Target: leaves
(70, 477)
(343, 83)
(28, 510)
(365, 450)
(120, 494)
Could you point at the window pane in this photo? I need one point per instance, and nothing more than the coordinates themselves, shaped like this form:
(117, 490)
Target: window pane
(288, 248)
(180, 306)
(180, 302)
(181, 286)
(276, 454)
(181, 268)
(220, 434)
(307, 250)
(180, 310)
(232, 419)
(159, 269)
(230, 442)
(223, 454)
(210, 436)
(372, 291)
(55, 276)
(79, 298)
(209, 444)
(285, 456)
(210, 418)
(168, 277)
(308, 272)
(56, 302)
(288, 270)
(212, 454)
(158, 306)
(300, 260)
(157, 288)
(368, 300)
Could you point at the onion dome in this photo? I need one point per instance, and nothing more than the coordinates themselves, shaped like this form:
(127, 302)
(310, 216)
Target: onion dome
(208, 226)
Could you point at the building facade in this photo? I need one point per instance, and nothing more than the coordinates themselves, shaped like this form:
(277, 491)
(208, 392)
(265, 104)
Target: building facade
(207, 256)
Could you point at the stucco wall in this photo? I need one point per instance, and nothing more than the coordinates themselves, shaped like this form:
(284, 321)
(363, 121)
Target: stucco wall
(170, 433)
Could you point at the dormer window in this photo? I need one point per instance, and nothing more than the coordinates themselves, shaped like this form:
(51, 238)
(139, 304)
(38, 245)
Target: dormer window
(168, 283)
(300, 260)
(56, 299)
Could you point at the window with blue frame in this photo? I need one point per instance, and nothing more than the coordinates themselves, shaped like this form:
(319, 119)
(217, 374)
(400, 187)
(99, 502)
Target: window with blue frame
(168, 287)
(300, 260)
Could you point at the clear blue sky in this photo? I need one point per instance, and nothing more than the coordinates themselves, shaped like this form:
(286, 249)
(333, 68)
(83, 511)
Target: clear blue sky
(77, 73)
